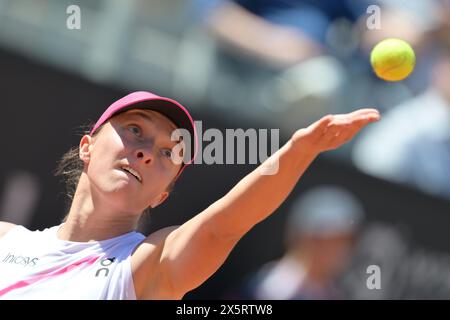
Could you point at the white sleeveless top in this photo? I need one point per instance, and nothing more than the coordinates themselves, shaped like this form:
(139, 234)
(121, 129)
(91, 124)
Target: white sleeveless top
(38, 265)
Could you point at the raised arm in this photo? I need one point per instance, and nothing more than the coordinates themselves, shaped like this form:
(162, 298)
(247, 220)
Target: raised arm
(193, 252)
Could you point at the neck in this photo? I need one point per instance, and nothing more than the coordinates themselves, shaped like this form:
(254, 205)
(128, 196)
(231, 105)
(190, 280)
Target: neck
(91, 218)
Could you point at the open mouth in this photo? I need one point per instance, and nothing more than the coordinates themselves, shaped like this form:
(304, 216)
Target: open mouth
(134, 173)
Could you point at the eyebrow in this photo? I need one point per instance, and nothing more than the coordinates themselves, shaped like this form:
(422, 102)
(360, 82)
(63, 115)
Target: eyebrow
(145, 115)
(141, 114)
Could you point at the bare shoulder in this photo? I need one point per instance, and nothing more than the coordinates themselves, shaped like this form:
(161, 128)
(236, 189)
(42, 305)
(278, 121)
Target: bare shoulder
(145, 263)
(5, 227)
(152, 241)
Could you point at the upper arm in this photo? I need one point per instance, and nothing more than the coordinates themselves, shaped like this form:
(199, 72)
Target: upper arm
(192, 253)
(145, 265)
(175, 260)
(5, 227)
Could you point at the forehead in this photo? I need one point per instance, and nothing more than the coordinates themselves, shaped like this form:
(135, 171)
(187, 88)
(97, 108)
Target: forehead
(154, 117)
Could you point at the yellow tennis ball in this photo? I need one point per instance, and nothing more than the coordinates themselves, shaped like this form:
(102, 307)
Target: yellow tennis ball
(393, 59)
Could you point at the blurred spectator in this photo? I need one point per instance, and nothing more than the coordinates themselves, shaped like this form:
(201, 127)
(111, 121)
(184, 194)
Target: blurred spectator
(320, 234)
(408, 20)
(412, 143)
(411, 21)
(280, 32)
(276, 53)
(289, 61)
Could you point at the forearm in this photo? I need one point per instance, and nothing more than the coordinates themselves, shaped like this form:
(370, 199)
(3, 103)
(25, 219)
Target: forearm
(199, 247)
(257, 195)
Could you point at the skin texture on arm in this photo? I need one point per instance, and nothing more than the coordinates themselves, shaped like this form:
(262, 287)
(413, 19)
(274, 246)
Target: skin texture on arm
(184, 257)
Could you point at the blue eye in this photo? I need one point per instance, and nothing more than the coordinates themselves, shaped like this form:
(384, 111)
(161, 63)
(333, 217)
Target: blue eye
(135, 129)
(167, 153)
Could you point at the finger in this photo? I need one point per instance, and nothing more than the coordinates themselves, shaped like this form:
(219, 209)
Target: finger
(361, 120)
(321, 124)
(356, 127)
(335, 130)
(360, 113)
(365, 111)
(344, 130)
(365, 120)
(357, 117)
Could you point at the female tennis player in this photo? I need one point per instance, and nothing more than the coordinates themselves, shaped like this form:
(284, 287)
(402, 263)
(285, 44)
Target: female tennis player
(126, 166)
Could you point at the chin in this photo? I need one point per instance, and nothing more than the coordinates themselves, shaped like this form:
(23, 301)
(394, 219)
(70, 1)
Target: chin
(118, 190)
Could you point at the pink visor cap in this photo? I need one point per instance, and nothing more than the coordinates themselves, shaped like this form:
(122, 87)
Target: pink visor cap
(170, 108)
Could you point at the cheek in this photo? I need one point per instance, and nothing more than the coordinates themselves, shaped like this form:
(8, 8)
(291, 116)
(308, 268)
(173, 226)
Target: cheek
(159, 180)
(104, 153)
(165, 168)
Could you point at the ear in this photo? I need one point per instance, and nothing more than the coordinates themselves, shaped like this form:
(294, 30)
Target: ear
(85, 148)
(162, 197)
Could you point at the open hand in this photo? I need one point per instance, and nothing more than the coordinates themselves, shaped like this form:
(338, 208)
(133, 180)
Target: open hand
(332, 131)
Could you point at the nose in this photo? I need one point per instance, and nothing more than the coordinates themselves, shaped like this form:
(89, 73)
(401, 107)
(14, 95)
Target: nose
(145, 155)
